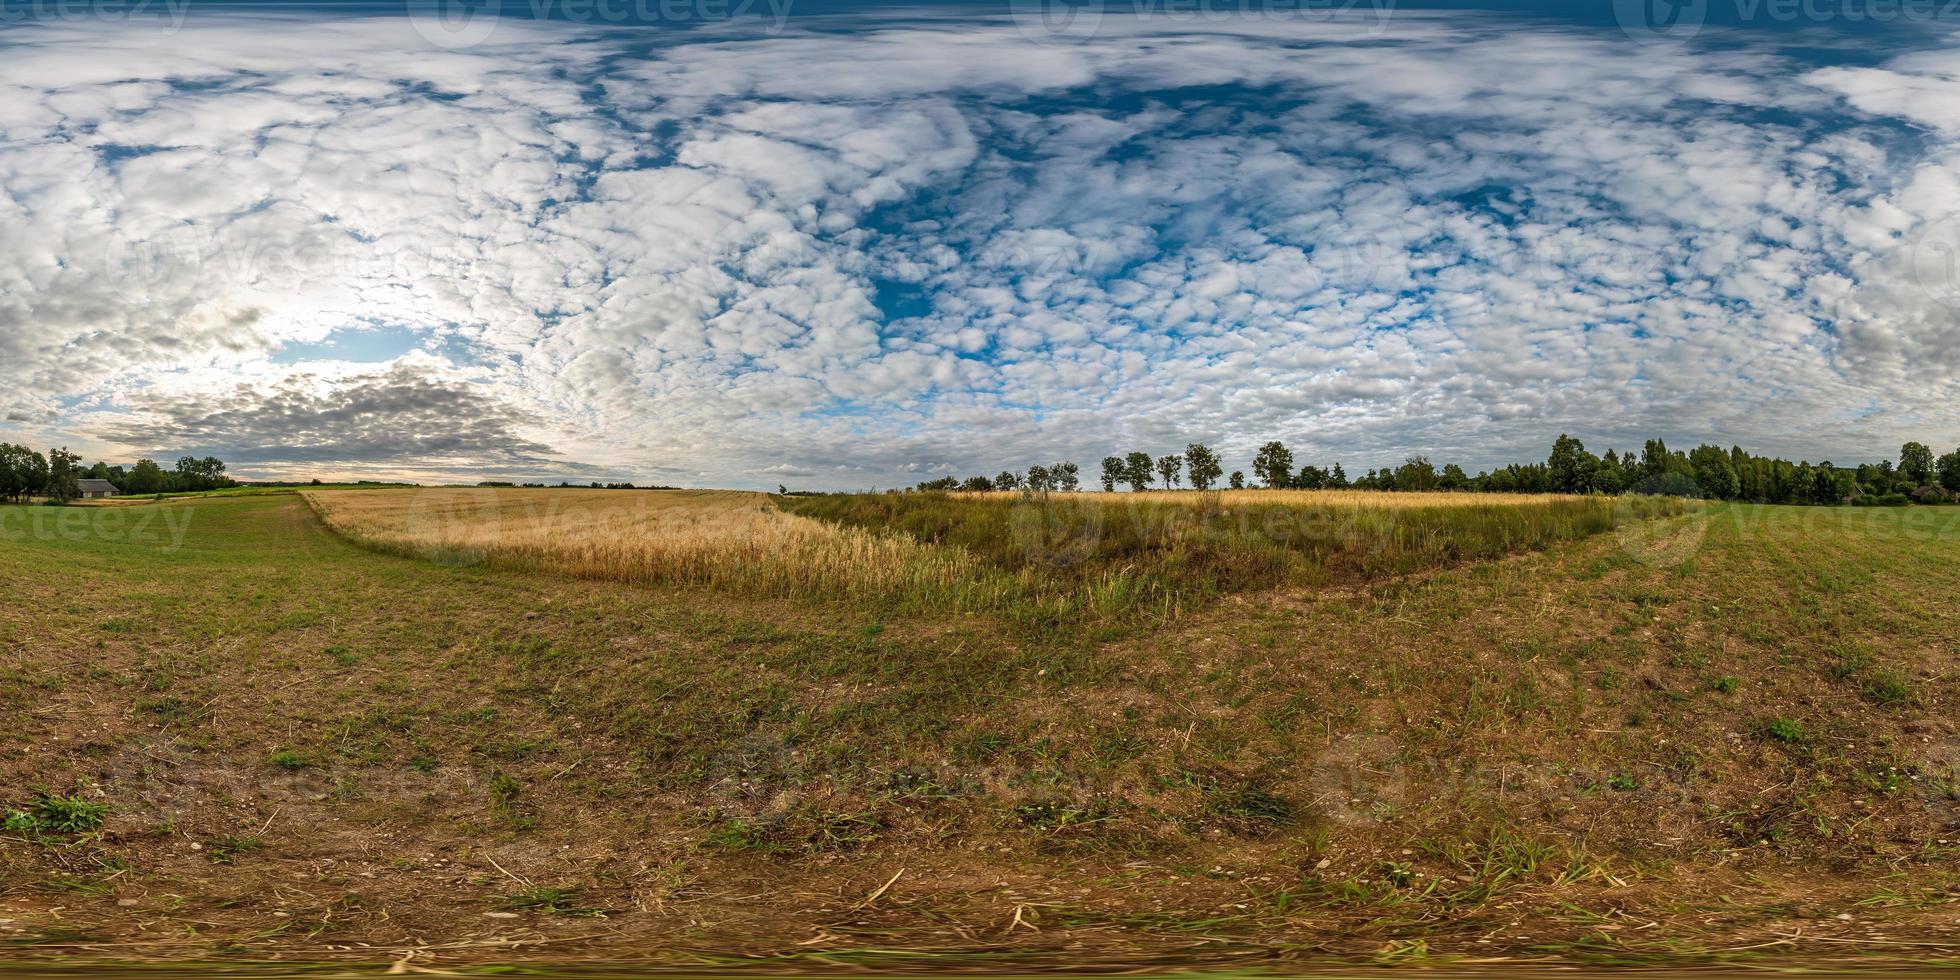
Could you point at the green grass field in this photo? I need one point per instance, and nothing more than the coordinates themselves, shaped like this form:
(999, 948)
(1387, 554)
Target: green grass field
(1723, 735)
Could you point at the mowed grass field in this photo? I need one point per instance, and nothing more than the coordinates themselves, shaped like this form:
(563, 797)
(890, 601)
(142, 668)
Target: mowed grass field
(237, 734)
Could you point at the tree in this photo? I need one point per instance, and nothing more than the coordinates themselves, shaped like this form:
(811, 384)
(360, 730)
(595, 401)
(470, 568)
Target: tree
(1168, 468)
(64, 468)
(1039, 479)
(1238, 480)
(1201, 464)
(144, 479)
(1571, 466)
(1611, 477)
(1007, 480)
(1273, 465)
(977, 484)
(1311, 478)
(1949, 467)
(208, 473)
(1136, 471)
(1916, 463)
(22, 472)
(1714, 472)
(1416, 473)
(1112, 473)
(1453, 478)
(1338, 479)
(1065, 477)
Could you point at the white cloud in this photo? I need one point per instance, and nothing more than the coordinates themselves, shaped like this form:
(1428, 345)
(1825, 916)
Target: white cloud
(934, 242)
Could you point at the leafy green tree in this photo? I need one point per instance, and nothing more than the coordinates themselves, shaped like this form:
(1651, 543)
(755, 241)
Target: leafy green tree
(1112, 473)
(1039, 479)
(1416, 473)
(1653, 459)
(1453, 478)
(1201, 465)
(1065, 477)
(1136, 471)
(1338, 479)
(64, 469)
(1273, 465)
(1949, 466)
(1007, 480)
(977, 484)
(1312, 478)
(1168, 467)
(1916, 463)
(145, 477)
(1571, 467)
(1238, 480)
(1714, 472)
(208, 473)
(22, 472)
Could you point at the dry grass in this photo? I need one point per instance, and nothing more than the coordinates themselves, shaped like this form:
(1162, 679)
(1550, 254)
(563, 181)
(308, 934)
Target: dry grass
(1044, 560)
(724, 539)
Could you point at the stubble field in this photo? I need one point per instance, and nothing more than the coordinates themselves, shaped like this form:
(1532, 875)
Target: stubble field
(1567, 731)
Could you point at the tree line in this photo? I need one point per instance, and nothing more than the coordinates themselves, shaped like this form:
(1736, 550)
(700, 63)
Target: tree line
(57, 475)
(1706, 471)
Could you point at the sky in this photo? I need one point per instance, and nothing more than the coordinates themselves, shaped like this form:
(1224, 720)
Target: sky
(746, 243)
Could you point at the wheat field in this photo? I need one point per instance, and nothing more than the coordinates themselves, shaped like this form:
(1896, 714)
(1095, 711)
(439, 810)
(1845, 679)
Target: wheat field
(727, 539)
(1046, 558)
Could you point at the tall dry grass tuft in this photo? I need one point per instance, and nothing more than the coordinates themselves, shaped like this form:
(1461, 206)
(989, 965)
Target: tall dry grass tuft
(723, 539)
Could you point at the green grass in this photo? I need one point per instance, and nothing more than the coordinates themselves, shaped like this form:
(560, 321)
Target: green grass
(1075, 556)
(52, 814)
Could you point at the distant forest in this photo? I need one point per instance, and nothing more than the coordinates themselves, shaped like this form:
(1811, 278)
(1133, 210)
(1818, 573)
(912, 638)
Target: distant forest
(25, 473)
(1706, 471)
